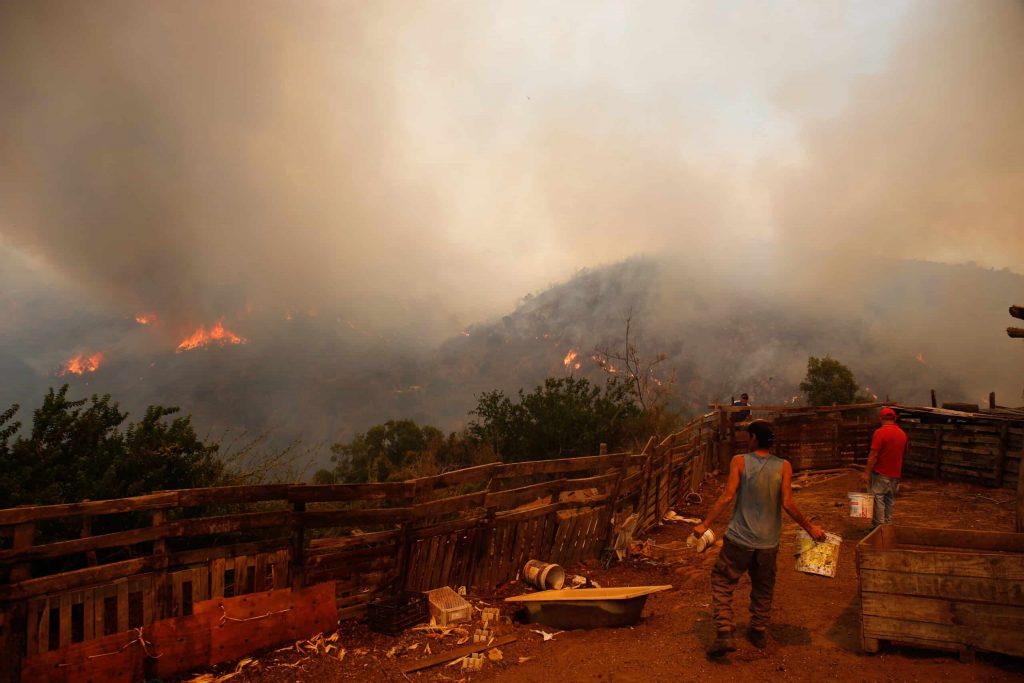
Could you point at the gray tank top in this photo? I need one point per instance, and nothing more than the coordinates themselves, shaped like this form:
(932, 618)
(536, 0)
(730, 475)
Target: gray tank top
(757, 517)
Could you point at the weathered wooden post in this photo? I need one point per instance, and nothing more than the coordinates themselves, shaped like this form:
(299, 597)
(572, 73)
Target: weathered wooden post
(298, 559)
(1020, 500)
(14, 630)
(724, 446)
(1018, 333)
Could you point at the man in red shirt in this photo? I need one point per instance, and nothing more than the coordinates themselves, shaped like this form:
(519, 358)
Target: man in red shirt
(885, 465)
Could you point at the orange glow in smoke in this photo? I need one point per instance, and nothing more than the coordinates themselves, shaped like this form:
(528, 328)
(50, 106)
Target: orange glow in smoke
(203, 337)
(920, 358)
(569, 358)
(81, 364)
(145, 318)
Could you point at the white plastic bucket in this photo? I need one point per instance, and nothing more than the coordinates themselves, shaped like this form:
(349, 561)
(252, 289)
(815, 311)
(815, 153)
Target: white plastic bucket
(862, 505)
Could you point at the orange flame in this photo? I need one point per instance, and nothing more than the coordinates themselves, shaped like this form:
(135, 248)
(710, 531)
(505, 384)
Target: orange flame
(81, 364)
(202, 337)
(604, 363)
(569, 358)
(920, 358)
(145, 318)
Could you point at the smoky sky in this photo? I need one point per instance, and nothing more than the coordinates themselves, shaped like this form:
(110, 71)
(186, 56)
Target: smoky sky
(430, 162)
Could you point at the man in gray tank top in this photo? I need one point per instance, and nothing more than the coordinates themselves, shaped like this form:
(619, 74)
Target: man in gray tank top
(759, 482)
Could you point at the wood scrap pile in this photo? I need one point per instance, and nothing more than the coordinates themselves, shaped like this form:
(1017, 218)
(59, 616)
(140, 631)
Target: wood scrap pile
(812, 477)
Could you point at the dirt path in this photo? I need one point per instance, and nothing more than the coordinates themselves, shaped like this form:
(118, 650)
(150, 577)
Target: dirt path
(814, 635)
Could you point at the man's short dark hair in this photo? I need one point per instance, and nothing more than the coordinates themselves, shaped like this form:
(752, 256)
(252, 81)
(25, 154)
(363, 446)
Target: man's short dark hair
(763, 432)
(744, 396)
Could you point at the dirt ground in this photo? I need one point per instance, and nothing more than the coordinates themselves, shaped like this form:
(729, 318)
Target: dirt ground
(814, 635)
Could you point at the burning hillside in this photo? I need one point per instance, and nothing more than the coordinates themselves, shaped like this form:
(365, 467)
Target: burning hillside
(217, 334)
(80, 364)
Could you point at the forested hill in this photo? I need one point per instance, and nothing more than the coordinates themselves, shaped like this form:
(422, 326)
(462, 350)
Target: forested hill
(732, 323)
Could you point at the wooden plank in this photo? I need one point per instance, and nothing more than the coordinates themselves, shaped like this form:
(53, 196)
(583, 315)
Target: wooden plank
(161, 591)
(602, 481)
(561, 527)
(943, 611)
(122, 606)
(448, 505)
(247, 521)
(1010, 641)
(501, 539)
(522, 535)
(348, 556)
(183, 643)
(34, 611)
(99, 613)
(154, 501)
(449, 559)
(81, 545)
(43, 628)
(111, 659)
(1020, 500)
(431, 562)
(75, 579)
(447, 527)
(282, 563)
(561, 466)
(959, 539)
(258, 620)
(328, 518)
(525, 494)
(540, 511)
(260, 564)
(64, 605)
(226, 495)
(974, 564)
(935, 585)
(338, 493)
(177, 599)
(201, 584)
(341, 542)
(208, 555)
(442, 657)
(217, 568)
(479, 473)
(88, 615)
(148, 605)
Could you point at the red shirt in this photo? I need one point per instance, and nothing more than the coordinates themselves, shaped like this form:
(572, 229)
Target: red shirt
(891, 442)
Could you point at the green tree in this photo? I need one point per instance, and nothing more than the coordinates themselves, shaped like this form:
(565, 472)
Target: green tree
(830, 383)
(396, 450)
(79, 449)
(562, 418)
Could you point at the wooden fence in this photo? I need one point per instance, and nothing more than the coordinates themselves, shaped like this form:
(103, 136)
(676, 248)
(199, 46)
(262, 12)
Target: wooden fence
(71, 574)
(74, 573)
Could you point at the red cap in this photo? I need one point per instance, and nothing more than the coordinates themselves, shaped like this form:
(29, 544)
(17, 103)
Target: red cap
(888, 412)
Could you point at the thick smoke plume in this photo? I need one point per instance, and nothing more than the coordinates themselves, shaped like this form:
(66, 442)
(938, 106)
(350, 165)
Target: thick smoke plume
(926, 159)
(389, 173)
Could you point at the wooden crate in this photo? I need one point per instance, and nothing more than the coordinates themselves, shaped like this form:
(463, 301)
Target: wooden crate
(946, 589)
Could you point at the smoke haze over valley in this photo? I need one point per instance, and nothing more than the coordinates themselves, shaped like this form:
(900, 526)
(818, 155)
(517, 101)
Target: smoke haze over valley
(393, 207)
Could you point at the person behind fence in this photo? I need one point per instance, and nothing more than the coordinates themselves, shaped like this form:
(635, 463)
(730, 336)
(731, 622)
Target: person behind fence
(885, 466)
(759, 482)
(741, 415)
